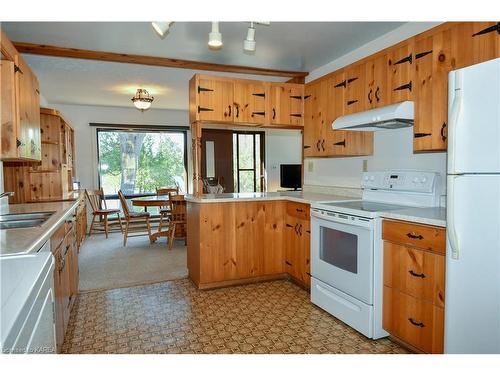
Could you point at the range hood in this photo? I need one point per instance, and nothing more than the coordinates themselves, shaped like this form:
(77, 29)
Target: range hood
(393, 116)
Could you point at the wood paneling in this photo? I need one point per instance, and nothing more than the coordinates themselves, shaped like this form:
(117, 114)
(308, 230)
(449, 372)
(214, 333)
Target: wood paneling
(414, 272)
(418, 235)
(417, 322)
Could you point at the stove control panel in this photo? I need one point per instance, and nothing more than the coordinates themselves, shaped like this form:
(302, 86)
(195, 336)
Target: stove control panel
(411, 181)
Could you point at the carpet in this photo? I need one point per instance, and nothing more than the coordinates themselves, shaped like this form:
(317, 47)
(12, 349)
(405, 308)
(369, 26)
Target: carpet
(107, 264)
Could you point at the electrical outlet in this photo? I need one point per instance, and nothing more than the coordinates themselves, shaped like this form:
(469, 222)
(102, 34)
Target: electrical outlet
(365, 165)
(310, 166)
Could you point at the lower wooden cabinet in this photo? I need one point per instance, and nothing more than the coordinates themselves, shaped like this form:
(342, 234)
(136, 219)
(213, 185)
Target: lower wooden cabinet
(81, 223)
(236, 242)
(414, 279)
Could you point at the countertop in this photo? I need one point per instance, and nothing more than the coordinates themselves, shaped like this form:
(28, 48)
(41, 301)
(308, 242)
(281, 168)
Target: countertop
(426, 215)
(294, 196)
(27, 240)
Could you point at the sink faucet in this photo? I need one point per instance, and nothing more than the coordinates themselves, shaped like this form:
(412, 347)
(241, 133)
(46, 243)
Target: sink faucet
(7, 194)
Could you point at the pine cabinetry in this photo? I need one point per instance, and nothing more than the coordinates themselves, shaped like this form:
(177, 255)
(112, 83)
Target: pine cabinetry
(20, 117)
(433, 62)
(414, 279)
(354, 85)
(316, 124)
(376, 82)
(249, 102)
(286, 105)
(400, 60)
(210, 99)
(297, 243)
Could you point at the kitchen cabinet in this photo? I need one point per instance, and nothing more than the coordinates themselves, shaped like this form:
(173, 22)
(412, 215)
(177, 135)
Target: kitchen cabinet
(211, 99)
(66, 277)
(354, 99)
(376, 82)
(433, 62)
(297, 243)
(81, 224)
(20, 107)
(286, 104)
(249, 102)
(52, 178)
(400, 59)
(414, 280)
(316, 124)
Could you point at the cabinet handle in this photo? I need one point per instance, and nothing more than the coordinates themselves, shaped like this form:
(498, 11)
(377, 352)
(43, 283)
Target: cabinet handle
(300, 229)
(258, 114)
(418, 324)
(349, 102)
(299, 210)
(377, 96)
(288, 263)
(406, 86)
(274, 113)
(317, 144)
(341, 143)
(229, 107)
(404, 60)
(443, 130)
(422, 54)
(370, 96)
(415, 236)
(237, 110)
(308, 231)
(489, 30)
(323, 144)
(296, 230)
(413, 273)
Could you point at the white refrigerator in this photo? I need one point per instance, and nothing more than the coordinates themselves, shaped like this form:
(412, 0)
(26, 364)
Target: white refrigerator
(472, 294)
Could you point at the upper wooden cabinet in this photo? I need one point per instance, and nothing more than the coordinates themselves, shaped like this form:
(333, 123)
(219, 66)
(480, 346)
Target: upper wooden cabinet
(20, 118)
(376, 82)
(245, 102)
(286, 104)
(354, 84)
(400, 59)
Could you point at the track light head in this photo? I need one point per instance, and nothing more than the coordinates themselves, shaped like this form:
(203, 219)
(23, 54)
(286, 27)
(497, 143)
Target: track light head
(215, 37)
(249, 43)
(161, 28)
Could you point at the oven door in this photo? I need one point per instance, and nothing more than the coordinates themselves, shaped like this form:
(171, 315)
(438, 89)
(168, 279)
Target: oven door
(342, 253)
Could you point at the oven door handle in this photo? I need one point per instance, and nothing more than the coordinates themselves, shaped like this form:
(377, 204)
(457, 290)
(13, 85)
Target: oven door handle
(363, 223)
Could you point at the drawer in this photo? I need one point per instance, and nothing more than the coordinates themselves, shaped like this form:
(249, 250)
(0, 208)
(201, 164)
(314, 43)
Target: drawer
(417, 322)
(298, 210)
(422, 236)
(415, 272)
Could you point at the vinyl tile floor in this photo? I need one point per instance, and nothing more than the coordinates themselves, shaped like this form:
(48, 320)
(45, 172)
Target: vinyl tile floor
(175, 317)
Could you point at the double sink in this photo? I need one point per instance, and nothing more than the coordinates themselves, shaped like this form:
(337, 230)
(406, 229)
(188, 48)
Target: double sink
(28, 220)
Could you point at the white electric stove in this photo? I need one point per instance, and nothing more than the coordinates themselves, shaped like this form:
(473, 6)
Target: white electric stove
(346, 245)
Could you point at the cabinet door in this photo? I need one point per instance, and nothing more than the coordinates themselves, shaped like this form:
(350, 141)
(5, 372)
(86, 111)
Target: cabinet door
(376, 82)
(313, 119)
(8, 114)
(286, 104)
(73, 265)
(351, 143)
(400, 71)
(249, 102)
(474, 42)
(29, 113)
(215, 98)
(58, 295)
(274, 237)
(432, 64)
(335, 108)
(305, 252)
(292, 244)
(355, 88)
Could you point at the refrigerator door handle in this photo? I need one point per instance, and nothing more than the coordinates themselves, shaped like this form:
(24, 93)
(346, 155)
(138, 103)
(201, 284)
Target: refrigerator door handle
(450, 230)
(453, 120)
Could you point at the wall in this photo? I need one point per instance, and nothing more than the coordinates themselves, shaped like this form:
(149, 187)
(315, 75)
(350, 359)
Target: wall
(393, 149)
(282, 147)
(80, 116)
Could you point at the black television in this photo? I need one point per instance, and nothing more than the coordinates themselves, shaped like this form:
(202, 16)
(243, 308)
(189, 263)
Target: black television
(291, 176)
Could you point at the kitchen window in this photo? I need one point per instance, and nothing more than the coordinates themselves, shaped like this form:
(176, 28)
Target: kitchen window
(248, 161)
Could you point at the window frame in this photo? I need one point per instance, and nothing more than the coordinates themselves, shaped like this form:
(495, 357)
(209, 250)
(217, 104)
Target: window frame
(262, 158)
(143, 129)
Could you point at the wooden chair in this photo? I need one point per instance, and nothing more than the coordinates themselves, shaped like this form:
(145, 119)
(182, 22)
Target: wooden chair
(165, 211)
(101, 210)
(135, 221)
(177, 221)
(167, 191)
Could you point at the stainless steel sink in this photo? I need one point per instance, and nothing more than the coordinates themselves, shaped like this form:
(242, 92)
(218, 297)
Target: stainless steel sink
(28, 220)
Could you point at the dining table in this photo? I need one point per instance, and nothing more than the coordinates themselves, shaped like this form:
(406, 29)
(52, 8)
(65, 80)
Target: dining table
(160, 201)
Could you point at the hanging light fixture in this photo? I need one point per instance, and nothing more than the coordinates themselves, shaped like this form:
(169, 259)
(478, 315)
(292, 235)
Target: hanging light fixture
(142, 100)
(161, 28)
(249, 43)
(215, 37)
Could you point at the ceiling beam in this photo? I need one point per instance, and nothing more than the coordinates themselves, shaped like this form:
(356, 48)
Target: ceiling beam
(47, 50)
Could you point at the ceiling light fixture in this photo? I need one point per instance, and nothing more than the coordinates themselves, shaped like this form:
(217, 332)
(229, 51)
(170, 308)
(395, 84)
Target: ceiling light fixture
(249, 43)
(142, 100)
(161, 28)
(215, 37)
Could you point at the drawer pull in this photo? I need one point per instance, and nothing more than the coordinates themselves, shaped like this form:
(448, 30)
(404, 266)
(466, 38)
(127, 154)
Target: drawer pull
(413, 273)
(421, 325)
(288, 263)
(415, 236)
(299, 210)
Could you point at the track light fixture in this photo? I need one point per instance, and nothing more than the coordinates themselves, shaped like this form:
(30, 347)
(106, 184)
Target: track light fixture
(215, 37)
(161, 28)
(249, 42)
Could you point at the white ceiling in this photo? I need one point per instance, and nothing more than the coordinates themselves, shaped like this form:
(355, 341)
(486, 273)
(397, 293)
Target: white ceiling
(282, 45)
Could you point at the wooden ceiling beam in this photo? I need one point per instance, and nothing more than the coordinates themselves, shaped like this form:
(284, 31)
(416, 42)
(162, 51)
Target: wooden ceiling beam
(48, 50)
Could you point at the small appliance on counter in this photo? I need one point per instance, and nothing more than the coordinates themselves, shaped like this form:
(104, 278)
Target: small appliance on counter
(346, 245)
